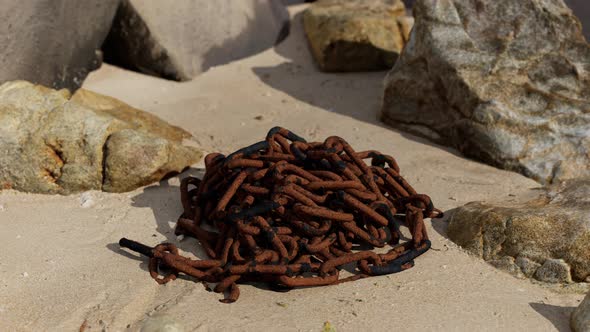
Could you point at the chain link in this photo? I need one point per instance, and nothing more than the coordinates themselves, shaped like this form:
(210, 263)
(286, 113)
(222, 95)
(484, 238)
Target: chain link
(292, 214)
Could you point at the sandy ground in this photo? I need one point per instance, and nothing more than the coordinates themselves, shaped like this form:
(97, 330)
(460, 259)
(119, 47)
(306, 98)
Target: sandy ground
(60, 264)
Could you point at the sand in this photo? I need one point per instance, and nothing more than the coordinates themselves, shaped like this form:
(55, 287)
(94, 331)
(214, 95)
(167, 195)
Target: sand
(61, 267)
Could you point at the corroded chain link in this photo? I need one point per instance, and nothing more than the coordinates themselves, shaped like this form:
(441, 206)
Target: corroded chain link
(292, 213)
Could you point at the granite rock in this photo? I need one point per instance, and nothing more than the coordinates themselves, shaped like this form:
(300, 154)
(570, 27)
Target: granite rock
(180, 39)
(505, 82)
(527, 266)
(55, 43)
(509, 265)
(56, 143)
(356, 35)
(580, 321)
(549, 237)
(554, 271)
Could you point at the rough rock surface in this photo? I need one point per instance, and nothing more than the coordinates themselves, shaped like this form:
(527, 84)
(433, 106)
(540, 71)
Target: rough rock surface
(580, 321)
(52, 142)
(356, 35)
(53, 42)
(182, 40)
(547, 238)
(506, 82)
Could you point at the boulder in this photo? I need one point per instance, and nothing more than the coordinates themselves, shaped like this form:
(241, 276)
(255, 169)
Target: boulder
(580, 321)
(55, 43)
(179, 39)
(554, 271)
(547, 238)
(56, 143)
(506, 82)
(356, 35)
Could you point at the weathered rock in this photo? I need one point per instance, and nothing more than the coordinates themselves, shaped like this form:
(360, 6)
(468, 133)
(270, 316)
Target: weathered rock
(554, 271)
(180, 40)
(581, 9)
(138, 119)
(53, 42)
(506, 82)
(356, 35)
(507, 264)
(52, 142)
(548, 236)
(135, 159)
(527, 266)
(580, 321)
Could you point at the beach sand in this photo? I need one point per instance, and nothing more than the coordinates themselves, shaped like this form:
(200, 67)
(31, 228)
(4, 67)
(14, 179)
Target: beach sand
(61, 266)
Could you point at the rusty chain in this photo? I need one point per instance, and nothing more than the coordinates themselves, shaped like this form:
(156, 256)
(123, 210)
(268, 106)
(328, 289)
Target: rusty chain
(292, 214)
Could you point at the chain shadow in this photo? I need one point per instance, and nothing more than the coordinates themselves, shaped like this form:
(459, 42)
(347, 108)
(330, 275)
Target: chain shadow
(163, 199)
(440, 225)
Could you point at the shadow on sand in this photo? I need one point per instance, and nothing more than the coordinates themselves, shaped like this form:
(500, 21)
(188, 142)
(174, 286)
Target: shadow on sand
(164, 201)
(357, 95)
(558, 316)
(440, 225)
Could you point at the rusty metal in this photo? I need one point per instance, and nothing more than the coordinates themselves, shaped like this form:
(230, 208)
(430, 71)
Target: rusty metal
(292, 214)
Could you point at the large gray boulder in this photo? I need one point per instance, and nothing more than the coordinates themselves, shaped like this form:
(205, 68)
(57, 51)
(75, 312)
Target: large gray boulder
(580, 321)
(506, 82)
(178, 39)
(54, 143)
(55, 43)
(547, 238)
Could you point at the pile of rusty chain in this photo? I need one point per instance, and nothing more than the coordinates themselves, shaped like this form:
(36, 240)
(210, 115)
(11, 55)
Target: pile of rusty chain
(292, 213)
